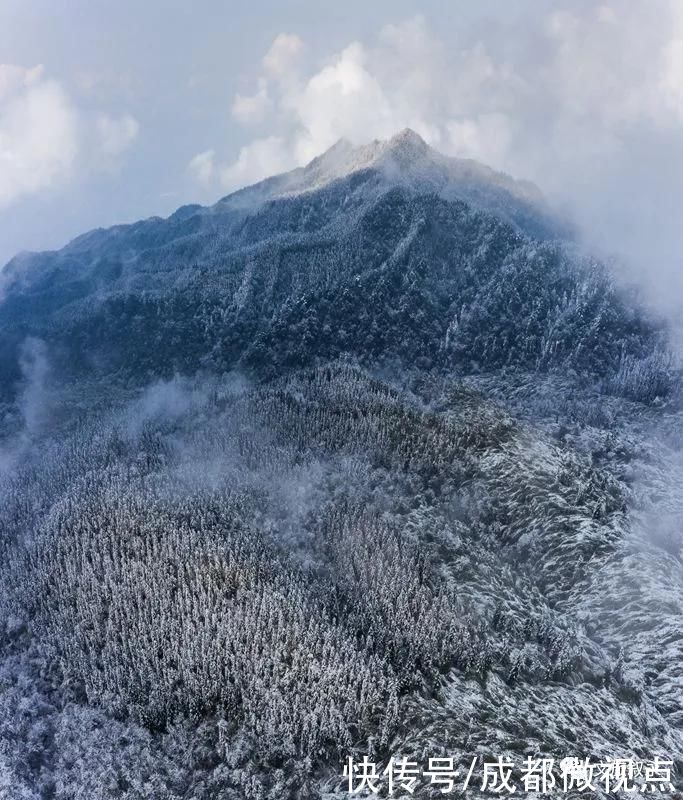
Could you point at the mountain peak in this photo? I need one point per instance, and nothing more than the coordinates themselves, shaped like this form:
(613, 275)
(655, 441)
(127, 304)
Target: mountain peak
(406, 160)
(343, 155)
(408, 141)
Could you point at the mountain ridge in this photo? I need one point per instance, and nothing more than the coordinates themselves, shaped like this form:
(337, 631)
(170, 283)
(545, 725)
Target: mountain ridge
(404, 159)
(288, 281)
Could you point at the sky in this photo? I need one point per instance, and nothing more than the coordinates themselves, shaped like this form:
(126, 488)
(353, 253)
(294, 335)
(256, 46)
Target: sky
(111, 112)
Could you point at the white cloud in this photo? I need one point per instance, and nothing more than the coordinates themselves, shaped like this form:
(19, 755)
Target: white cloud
(116, 134)
(44, 135)
(39, 133)
(485, 137)
(201, 167)
(260, 159)
(343, 99)
(251, 108)
(283, 54)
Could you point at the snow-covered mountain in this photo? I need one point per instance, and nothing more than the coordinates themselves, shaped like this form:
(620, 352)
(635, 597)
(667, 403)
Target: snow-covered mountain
(406, 160)
(380, 252)
(363, 460)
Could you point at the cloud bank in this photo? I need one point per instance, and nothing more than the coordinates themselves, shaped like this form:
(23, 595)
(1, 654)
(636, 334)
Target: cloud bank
(587, 102)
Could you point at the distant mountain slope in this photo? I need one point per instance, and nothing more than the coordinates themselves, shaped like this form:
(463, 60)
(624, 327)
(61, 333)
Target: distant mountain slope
(385, 252)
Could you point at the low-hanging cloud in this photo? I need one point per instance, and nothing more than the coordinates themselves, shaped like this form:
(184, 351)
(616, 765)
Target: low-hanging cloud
(587, 102)
(35, 404)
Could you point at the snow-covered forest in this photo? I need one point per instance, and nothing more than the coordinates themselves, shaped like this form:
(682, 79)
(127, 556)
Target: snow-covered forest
(364, 469)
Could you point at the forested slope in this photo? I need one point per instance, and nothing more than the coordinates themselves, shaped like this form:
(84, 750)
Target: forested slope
(359, 461)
